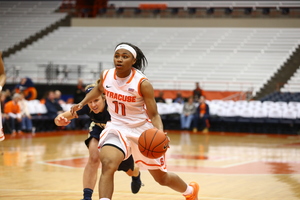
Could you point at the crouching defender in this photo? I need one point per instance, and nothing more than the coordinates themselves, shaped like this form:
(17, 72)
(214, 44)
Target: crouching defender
(96, 109)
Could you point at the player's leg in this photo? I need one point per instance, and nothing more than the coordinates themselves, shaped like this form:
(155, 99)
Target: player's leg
(132, 170)
(91, 169)
(173, 181)
(110, 157)
(136, 182)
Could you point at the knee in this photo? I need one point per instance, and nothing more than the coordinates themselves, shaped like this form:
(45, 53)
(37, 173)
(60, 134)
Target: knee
(94, 159)
(109, 165)
(162, 180)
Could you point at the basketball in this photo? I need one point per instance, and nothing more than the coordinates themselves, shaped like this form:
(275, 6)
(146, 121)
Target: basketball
(153, 143)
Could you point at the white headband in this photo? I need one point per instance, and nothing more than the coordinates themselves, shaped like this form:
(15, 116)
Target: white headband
(127, 47)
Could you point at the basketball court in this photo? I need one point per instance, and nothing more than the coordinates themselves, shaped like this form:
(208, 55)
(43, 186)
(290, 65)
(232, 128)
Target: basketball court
(227, 166)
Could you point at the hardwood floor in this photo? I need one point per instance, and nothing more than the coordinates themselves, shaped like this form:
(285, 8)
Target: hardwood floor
(227, 166)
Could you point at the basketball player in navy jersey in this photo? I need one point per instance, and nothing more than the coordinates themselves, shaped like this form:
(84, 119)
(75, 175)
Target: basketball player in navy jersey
(130, 98)
(96, 109)
(2, 82)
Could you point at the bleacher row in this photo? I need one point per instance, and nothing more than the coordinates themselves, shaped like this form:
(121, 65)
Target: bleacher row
(293, 85)
(20, 20)
(221, 59)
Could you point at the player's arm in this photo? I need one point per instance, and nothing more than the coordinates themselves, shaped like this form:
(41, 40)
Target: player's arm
(2, 72)
(63, 119)
(94, 93)
(148, 94)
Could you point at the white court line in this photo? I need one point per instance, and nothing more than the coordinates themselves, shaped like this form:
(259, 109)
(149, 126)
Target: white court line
(239, 163)
(45, 162)
(115, 193)
(57, 165)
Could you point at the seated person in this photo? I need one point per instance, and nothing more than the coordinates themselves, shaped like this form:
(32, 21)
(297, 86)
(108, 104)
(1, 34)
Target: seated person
(160, 97)
(53, 107)
(178, 99)
(187, 114)
(201, 116)
(26, 116)
(13, 112)
(57, 94)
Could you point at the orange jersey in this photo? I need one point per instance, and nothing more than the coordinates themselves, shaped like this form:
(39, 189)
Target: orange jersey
(202, 108)
(126, 104)
(12, 107)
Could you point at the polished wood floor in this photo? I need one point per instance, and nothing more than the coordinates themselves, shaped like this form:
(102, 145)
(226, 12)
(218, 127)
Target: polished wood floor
(228, 166)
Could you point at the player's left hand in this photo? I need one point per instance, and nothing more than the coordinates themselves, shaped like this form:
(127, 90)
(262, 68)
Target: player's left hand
(62, 121)
(75, 108)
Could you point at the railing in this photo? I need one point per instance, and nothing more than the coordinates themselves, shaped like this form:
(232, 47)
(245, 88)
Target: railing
(211, 4)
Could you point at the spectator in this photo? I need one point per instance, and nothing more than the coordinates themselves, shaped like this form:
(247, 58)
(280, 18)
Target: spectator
(2, 82)
(13, 111)
(65, 72)
(27, 87)
(201, 116)
(2, 73)
(26, 124)
(53, 107)
(57, 94)
(160, 97)
(4, 116)
(79, 92)
(197, 92)
(187, 114)
(60, 101)
(179, 98)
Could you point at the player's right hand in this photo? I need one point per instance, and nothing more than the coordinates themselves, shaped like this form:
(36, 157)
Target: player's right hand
(169, 140)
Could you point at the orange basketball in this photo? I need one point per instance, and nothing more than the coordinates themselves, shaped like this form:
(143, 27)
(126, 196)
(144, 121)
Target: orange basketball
(153, 143)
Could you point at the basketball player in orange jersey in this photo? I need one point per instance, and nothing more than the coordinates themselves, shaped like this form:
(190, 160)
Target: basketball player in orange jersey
(96, 109)
(130, 98)
(2, 82)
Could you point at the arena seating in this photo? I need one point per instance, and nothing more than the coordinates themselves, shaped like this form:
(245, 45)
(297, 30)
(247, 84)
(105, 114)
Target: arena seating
(239, 116)
(20, 20)
(221, 59)
(293, 84)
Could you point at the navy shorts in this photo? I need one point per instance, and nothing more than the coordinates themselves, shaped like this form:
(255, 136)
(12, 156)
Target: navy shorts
(127, 164)
(95, 132)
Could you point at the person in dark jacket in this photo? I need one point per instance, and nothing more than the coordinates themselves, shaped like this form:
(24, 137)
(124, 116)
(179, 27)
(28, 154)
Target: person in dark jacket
(53, 107)
(201, 119)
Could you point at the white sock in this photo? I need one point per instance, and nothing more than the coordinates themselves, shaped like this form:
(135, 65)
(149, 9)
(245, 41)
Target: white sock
(104, 199)
(189, 190)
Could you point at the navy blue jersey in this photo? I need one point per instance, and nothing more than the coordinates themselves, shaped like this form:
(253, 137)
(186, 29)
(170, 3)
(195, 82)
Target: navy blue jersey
(101, 117)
